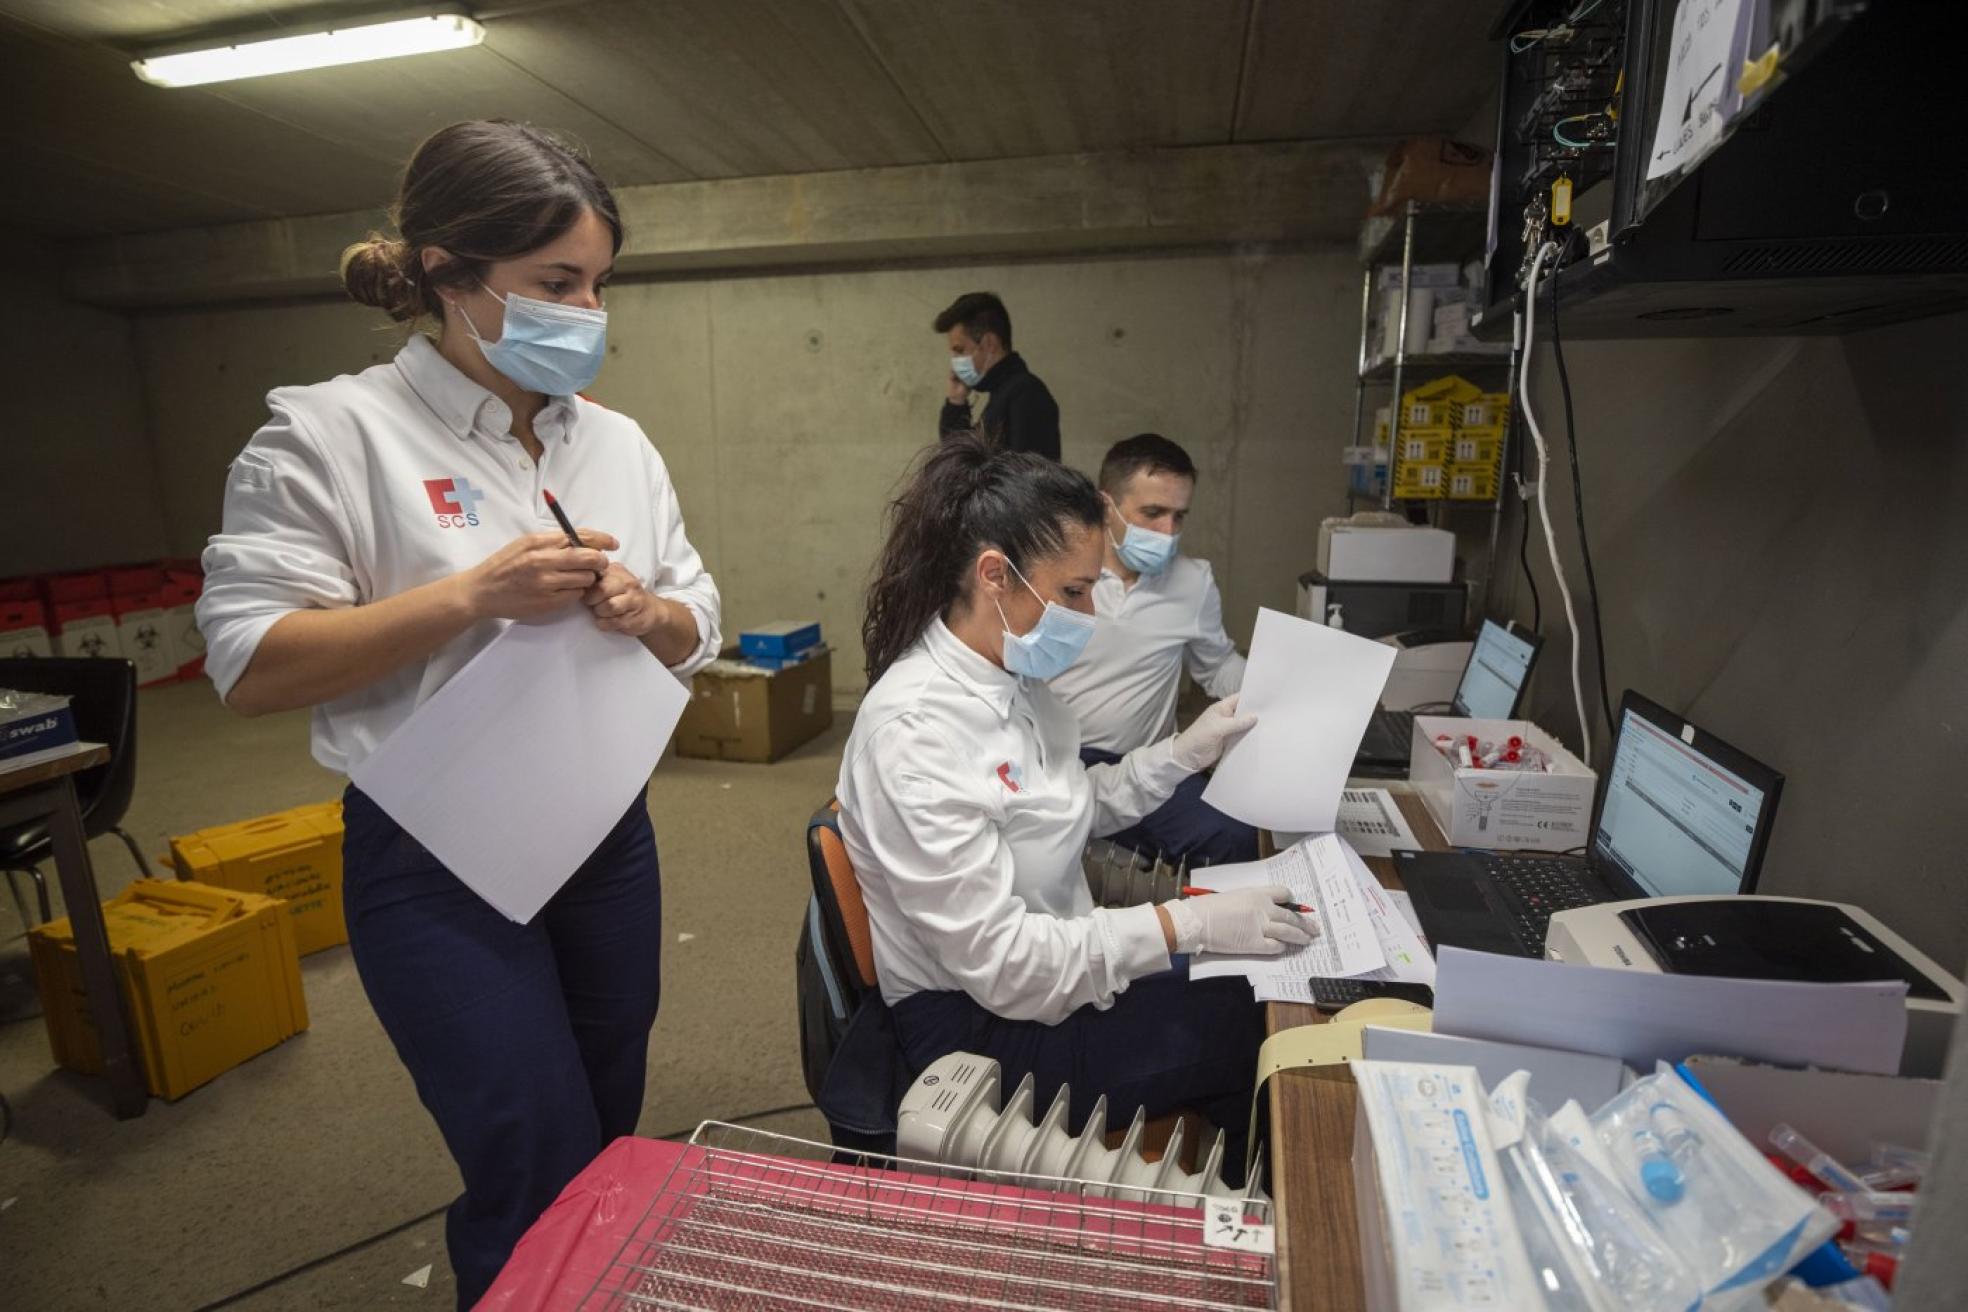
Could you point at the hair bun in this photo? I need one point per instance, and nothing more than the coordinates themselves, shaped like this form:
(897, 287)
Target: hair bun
(376, 272)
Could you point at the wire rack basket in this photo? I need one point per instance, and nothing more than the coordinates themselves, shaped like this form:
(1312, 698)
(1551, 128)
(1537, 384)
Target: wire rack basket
(749, 1219)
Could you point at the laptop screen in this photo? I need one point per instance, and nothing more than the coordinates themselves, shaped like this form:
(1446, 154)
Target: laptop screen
(1495, 673)
(1676, 821)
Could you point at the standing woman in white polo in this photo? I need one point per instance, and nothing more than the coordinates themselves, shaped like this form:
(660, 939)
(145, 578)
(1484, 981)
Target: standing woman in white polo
(379, 531)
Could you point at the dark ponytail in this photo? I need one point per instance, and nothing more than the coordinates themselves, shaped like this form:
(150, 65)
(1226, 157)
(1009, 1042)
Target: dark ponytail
(966, 494)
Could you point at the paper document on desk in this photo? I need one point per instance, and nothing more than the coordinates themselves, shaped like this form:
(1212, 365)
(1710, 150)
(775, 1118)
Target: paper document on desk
(1642, 1017)
(1371, 822)
(514, 771)
(1312, 689)
(1408, 958)
(1319, 876)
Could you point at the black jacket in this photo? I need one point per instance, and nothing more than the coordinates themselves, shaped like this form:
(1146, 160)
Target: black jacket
(1021, 414)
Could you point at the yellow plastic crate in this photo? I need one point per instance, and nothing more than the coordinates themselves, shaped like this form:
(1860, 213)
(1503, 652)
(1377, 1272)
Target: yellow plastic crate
(210, 977)
(1472, 482)
(1421, 481)
(1473, 446)
(1425, 446)
(1438, 402)
(295, 855)
(1491, 410)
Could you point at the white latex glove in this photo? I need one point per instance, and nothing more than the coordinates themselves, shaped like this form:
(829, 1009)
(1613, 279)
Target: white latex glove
(1244, 920)
(1201, 745)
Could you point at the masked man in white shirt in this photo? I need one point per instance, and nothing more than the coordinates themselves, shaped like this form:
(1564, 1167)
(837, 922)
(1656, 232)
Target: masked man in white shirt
(1159, 612)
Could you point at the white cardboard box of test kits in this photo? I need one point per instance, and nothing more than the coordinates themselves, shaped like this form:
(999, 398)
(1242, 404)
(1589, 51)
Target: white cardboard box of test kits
(1505, 809)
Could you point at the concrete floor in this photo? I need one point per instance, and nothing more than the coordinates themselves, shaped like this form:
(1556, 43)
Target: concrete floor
(311, 1176)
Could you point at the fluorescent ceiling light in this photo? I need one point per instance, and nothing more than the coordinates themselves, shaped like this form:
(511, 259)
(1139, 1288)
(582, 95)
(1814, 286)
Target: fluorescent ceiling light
(291, 54)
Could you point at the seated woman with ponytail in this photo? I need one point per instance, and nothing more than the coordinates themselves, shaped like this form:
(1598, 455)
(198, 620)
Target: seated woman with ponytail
(965, 808)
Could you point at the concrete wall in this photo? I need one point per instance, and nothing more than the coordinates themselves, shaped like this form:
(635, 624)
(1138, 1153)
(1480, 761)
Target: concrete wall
(77, 463)
(1781, 549)
(788, 406)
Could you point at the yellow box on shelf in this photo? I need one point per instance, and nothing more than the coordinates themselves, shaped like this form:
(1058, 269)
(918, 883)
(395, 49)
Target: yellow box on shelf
(1421, 481)
(295, 855)
(1490, 410)
(1425, 446)
(1476, 446)
(1438, 402)
(210, 977)
(1473, 482)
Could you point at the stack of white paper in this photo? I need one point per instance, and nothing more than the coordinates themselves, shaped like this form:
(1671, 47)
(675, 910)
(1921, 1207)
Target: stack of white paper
(1319, 875)
(1642, 1017)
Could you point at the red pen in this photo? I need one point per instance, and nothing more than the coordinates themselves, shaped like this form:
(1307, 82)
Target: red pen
(1299, 907)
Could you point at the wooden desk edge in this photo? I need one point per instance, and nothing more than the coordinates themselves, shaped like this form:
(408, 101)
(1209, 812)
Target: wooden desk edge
(1311, 1136)
(73, 758)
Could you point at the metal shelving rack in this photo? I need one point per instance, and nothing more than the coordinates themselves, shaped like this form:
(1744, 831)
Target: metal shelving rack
(1424, 234)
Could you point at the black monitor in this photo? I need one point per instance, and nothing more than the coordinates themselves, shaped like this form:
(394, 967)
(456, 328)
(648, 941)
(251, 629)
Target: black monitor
(1681, 812)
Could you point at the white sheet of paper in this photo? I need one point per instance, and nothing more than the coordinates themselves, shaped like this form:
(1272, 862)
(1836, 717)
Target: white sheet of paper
(1408, 958)
(1699, 97)
(514, 771)
(1372, 823)
(1312, 689)
(1641, 1017)
(1404, 903)
(1318, 875)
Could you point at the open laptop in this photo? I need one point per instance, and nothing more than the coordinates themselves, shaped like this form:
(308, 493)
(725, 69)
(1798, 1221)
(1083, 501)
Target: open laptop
(1491, 688)
(1680, 812)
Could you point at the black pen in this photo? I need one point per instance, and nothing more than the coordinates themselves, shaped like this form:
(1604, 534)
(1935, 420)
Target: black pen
(566, 526)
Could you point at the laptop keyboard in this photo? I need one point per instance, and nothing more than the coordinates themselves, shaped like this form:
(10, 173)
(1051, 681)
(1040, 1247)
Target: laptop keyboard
(1536, 887)
(1388, 736)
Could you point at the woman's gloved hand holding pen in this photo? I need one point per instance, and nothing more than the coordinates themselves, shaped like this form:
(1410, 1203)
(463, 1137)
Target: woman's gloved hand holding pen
(1249, 921)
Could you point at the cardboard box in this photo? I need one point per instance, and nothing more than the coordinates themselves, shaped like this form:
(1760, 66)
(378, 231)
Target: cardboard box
(210, 976)
(143, 630)
(24, 628)
(293, 855)
(1360, 554)
(739, 712)
(1509, 810)
(86, 627)
(1491, 410)
(40, 723)
(780, 641)
(1841, 1112)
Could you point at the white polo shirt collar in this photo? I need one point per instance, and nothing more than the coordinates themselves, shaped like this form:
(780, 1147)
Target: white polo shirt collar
(468, 409)
(989, 682)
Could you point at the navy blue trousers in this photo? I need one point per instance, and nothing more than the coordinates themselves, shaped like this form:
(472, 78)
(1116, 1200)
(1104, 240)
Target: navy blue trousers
(528, 1043)
(1184, 826)
(1167, 1044)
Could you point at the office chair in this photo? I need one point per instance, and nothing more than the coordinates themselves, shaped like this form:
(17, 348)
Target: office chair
(103, 698)
(835, 968)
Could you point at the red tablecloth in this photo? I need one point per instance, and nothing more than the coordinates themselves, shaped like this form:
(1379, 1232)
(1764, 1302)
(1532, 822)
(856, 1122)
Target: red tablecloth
(569, 1248)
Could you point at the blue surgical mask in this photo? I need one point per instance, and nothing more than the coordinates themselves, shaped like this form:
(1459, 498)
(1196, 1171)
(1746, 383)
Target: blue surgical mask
(1054, 643)
(545, 346)
(1144, 550)
(965, 368)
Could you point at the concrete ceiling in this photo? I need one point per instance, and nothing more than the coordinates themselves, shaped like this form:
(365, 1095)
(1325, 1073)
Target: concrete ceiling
(674, 90)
